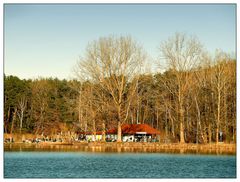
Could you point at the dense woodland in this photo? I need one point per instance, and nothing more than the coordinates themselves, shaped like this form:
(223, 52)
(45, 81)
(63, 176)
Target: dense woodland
(192, 101)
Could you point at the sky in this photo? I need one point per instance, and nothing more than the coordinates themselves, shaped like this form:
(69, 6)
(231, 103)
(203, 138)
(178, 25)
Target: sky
(46, 40)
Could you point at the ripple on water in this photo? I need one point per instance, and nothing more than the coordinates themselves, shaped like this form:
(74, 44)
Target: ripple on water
(116, 165)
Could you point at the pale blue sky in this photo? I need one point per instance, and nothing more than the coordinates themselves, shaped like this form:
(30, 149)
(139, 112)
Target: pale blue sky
(46, 40)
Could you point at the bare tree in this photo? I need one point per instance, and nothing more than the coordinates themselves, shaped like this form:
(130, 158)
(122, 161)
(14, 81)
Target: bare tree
(13, 120)
(112, 63)
(22, 104)
(220, 78)
(40, 103)
(77, 87)
(182, 54)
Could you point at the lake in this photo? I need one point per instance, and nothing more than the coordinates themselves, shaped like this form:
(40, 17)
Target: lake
(45, 164)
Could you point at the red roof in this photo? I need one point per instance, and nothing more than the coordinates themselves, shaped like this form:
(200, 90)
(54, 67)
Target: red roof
(129, 129)
(134, 128)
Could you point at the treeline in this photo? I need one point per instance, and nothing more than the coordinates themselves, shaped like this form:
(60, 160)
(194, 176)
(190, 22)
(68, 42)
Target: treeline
(37, 106)
(194, 100)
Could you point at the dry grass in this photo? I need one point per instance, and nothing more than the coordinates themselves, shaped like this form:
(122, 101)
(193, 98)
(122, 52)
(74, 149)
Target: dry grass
(221, 148)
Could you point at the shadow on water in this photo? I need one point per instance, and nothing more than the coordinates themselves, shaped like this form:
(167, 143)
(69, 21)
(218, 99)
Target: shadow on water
(111, 149)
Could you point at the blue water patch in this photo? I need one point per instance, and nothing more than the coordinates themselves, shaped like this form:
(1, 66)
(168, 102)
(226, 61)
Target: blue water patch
(116, 165)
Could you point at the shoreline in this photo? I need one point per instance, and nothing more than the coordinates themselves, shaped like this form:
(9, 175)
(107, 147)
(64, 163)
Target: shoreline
(221, 148)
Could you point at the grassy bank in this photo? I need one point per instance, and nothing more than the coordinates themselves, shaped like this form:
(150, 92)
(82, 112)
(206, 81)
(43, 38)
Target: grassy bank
(221, 148)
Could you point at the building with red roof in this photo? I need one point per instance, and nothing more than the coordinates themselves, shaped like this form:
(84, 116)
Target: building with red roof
(131, 129)
(130, 133)
(135, 132)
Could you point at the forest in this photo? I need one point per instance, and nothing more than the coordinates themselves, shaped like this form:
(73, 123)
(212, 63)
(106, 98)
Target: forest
(193, 100)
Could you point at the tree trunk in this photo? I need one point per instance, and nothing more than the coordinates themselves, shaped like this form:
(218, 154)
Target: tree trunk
(166, 125)
(138, 114)
(218, 115)
(79, 117)
(217, 131)
(6, 123)
(94, 130)
(182, 133)
(172, 124)
(21, 119)
(132, 117)
(80, 109)
(119, 132)
(119, 136)
(182, 140)
(204, 135)
(187, 119)
(209, 133)
(199, 121)
(14, 117)
(181, 115)
(226, 117)
(103, 132)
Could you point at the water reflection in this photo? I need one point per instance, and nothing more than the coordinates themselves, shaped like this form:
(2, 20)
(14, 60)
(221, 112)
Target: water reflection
(113, 148)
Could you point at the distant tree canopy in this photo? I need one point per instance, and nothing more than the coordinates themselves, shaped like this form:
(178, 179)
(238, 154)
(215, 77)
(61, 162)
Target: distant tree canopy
(187, 105)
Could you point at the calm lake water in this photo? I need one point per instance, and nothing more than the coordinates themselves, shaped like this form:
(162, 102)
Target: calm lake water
(28, 164)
